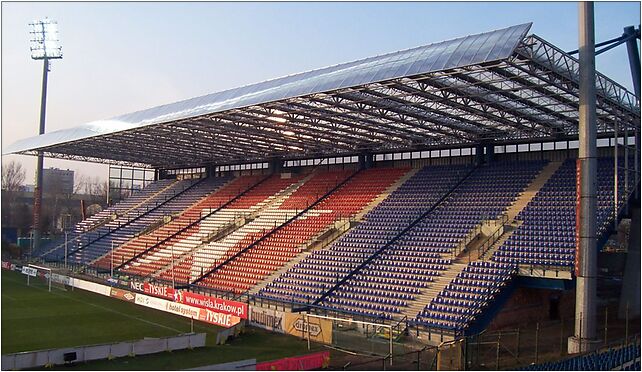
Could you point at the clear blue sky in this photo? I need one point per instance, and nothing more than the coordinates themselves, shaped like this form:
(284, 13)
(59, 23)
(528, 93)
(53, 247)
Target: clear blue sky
(122, 57)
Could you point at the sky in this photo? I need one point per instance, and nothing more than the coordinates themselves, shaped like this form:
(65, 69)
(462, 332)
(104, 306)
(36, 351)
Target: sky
(124, 57)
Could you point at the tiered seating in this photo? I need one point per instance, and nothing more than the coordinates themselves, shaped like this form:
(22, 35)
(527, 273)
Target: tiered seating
(466, 296)
(191, 239)
(275, 251)
(611, 359)
(86, 246)
(425, 251)
(152, 192)
(187, 208)
(55, 250)
(547, 235)
(307, 280)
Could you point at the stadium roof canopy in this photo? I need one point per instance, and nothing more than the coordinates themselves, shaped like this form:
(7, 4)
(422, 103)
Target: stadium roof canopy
(500, 86)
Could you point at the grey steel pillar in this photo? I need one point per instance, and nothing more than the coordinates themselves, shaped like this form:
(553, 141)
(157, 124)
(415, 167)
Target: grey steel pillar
(37, 192)
(586, 246)
(616, 196)
(626, 168)
(276, 165)
(490, 153)
(636, 163)
(634, 58)
(479, 154)
(634, 64)
(626, 160)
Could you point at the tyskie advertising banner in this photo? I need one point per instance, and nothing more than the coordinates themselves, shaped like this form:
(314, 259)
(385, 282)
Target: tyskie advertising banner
(153, 289)
(196, 313)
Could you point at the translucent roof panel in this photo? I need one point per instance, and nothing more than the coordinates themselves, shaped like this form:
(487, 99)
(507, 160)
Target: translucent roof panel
(468, 50)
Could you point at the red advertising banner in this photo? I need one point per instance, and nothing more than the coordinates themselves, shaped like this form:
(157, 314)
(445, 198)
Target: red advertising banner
(153, 289)
(218, 305)
(6, 265)
(578, 214)
(298, 363)
(122, 295)
(213, 317)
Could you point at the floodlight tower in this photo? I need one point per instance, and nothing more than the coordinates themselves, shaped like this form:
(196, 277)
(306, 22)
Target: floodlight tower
(44, 46)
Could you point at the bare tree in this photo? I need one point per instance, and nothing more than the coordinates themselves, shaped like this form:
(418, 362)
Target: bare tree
(13, 176)
(14, 214)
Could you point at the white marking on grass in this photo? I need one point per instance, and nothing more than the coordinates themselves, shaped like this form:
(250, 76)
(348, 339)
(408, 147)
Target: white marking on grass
(110, 310)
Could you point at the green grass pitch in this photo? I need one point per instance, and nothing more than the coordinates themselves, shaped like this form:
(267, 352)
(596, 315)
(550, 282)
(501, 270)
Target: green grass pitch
(35, 319)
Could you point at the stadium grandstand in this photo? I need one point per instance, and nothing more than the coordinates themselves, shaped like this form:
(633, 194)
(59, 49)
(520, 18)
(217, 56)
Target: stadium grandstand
(423, 190)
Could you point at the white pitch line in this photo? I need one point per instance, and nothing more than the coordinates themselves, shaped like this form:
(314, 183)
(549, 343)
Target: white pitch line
(114, 311)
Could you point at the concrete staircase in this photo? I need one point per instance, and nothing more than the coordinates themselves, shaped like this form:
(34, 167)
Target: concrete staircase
(433, 290)
(143, 202)
(339, 227)
(273, 201)
(532, 189)
(519, 205)
(359, 216)
(487, 228)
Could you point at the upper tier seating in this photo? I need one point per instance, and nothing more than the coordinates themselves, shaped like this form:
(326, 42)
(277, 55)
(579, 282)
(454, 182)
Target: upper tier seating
(146, 197)
(276, 250)
(547, 235)
(550, 227)
(426, 250)
(181, 245)
(175, 208)
(307, 280)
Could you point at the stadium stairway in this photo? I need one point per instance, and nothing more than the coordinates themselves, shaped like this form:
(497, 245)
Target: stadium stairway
(532, 189)
(243, 193)
(85, 227)
(359, 216)
(320, 183)
(54, 249)
(439, 283)
(210, 197)
(333, 232)
(519, 205)
(86, 246)
(274, 192)
(252, 265)
(470, 255)
(195, 242)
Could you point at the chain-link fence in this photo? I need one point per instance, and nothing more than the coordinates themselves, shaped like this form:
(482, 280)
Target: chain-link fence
(542, 341)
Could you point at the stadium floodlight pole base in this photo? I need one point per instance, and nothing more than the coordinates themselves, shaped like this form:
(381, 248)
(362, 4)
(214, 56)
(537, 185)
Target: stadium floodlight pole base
(576, 346)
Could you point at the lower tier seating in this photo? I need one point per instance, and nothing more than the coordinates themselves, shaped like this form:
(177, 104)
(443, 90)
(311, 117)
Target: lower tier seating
(615, 358)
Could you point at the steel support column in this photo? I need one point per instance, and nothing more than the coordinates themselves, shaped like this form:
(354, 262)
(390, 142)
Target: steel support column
(586, 263)
(616, 163)
(634, 58)
(37, 192)
(634, 64)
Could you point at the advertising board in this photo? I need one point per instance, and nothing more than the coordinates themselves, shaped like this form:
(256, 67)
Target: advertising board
(219, 305)
(269, 319)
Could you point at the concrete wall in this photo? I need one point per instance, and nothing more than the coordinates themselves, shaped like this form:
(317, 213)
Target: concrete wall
(40, 358)
(528, 305)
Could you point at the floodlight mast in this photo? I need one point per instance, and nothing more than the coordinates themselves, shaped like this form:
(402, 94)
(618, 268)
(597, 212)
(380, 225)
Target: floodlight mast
(44, 46)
